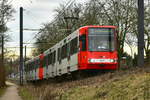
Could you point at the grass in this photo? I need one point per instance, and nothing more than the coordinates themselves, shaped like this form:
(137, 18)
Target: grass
(132, 87)
(25, 94)
(132, 84)
(2, 91)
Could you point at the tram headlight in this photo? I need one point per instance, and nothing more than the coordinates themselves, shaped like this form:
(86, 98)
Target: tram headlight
(90, 60)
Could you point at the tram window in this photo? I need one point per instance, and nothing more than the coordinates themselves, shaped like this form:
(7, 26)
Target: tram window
(49, 58)
(58, 54)
(44, 61)
(74, 48)
(37, 63)
(68, 49)
(26, 67)
(41, 62)
(30, 66)
(64, 51)
(33, 65)
(54, 57)
(82, 39)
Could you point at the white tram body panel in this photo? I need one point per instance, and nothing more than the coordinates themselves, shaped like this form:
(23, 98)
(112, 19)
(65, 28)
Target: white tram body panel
(56, 63)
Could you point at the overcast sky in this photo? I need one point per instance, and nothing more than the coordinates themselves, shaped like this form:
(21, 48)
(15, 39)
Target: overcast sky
(36, 12)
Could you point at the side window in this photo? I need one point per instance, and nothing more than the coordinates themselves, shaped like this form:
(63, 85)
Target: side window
(64, 51)
(74, 47)
(59, 54)
(44, 61)
(25, 67)
(29, 66)
(68, 49)
(38, 63)
(41, 62)
(82, 39)
(49, 58)
(53, 57)
(33, 64)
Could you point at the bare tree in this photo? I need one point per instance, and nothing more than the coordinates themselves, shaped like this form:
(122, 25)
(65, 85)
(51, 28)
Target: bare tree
(5, 15)
(60, 27)
(121, 13)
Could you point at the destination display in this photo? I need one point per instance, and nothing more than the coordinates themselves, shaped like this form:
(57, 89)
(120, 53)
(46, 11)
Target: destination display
(101, 31)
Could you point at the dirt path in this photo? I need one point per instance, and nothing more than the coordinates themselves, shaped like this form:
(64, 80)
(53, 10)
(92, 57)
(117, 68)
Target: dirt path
(11, 92)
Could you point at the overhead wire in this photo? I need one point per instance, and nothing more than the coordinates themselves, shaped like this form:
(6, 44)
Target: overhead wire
(10, 1)
(52, 22)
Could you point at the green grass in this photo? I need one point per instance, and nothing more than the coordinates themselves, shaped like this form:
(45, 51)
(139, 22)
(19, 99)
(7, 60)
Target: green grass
(25, 94)
(120, 85)
(132, 87)
(2, 91)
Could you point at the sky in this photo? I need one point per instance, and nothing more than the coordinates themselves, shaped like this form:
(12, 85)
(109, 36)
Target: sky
(36, 13)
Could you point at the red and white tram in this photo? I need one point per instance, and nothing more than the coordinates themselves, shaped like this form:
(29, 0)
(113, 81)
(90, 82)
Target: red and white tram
(88, 48)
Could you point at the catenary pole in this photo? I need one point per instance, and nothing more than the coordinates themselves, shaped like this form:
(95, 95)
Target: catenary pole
(3, 50)
(21, 46)
(140, 33)
(25, 53)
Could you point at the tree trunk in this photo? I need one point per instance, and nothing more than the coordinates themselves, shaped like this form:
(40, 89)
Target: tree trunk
(2, 75)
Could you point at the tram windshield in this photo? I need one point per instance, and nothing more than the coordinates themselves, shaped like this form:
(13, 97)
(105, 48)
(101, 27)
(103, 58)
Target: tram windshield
(101, 39)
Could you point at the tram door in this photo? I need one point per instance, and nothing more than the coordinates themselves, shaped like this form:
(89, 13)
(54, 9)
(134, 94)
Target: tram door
(54, 70)
(83, 48)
